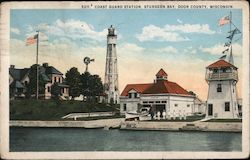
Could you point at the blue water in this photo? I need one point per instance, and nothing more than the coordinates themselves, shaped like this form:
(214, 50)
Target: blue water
(78, 139)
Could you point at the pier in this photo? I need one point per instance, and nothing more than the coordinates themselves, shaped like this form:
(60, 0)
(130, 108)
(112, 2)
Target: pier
(136, 125)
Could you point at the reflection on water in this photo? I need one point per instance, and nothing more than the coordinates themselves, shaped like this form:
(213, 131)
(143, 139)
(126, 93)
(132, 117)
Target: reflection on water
(78, 139)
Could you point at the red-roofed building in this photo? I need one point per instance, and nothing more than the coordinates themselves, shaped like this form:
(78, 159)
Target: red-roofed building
(161, 96)
(222, 78)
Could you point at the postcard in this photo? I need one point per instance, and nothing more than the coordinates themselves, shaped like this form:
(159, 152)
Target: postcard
(125, 80)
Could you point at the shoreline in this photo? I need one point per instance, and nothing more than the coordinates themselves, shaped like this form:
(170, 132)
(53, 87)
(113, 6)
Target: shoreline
(119, 123)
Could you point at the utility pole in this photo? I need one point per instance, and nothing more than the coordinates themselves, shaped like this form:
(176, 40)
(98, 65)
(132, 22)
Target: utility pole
(37, 68)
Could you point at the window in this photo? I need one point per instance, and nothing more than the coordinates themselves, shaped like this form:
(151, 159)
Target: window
(158, 102)
(219, 89)
(54, 79)
(176, 105)
(227, 106)
(150, 102)
(62, 90)
(124, 107)
(19, 90)
(25, 83)
(129, 95)
(48, 89)
(163, 101)
(188, 105)
(144, 102)
(215, 70)
(135, 94)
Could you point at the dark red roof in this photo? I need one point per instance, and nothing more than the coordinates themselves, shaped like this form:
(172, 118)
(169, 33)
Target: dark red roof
(221, 64)
(156, 88)
(140, 88)
(161, 73)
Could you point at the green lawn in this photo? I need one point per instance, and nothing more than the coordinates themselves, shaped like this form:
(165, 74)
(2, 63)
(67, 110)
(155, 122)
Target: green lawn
(52, 110)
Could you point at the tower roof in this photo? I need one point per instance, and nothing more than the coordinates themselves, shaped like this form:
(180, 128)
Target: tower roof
(161, 73)
(221, 64)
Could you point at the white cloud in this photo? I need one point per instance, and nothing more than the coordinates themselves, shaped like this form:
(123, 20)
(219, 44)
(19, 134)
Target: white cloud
(168, 49)
(172, 33)
(190, 28)
(151, 32)
(130, 48)
(71, 28)
(15, 30)
(219, 48)
(190, 50)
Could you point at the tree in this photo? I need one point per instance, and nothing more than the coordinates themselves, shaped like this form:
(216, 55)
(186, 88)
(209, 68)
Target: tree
(73, 79)
(96, 86)
(91, 86)
(85, 89)
(56, 91)
(192, 93)
(31, 86)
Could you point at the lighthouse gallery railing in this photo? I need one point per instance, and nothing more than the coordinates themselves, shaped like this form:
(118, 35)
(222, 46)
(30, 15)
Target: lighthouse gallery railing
(222, 76)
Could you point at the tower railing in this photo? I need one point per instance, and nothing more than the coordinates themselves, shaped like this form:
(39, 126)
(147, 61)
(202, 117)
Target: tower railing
(222, 76)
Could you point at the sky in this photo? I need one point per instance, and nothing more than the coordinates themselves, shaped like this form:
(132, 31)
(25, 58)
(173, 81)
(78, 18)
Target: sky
(182, 42)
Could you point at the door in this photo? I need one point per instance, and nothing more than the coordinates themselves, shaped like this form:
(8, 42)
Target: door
(160, 108)
(210, 109)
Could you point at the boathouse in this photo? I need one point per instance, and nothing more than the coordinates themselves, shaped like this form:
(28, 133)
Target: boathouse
(161, 96)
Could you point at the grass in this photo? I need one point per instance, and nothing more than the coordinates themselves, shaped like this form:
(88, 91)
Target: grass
(52, 110)
(224, 120)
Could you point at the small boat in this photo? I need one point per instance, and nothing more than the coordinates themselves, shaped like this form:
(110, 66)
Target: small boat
(143, 114)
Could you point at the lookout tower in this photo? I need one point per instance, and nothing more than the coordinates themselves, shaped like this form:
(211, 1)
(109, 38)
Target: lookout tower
(111, 73)
(222, 77)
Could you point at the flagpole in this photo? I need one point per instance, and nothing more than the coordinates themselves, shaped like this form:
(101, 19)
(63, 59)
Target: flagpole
(37, 74)
(231, 46)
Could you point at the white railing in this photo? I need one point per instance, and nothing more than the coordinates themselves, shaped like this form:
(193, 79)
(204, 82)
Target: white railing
(222, 76)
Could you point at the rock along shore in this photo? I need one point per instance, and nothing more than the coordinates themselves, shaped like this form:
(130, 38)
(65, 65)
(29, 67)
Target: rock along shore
(136, 125)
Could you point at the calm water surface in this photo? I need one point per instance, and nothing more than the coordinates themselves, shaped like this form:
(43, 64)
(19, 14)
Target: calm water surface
(78, 139)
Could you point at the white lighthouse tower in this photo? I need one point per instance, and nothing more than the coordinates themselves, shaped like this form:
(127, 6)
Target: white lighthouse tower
(111, 73)
(222, 77)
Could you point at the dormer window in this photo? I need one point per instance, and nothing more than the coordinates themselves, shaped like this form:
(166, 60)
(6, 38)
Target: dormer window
(135, 95)
(129, 95)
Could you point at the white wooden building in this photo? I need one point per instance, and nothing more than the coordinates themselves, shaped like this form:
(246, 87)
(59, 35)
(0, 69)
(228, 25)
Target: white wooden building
(161, 96)
(222, 102)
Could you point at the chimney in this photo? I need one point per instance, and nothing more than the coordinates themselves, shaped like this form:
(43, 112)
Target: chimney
(45, 64)
(12, 66)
